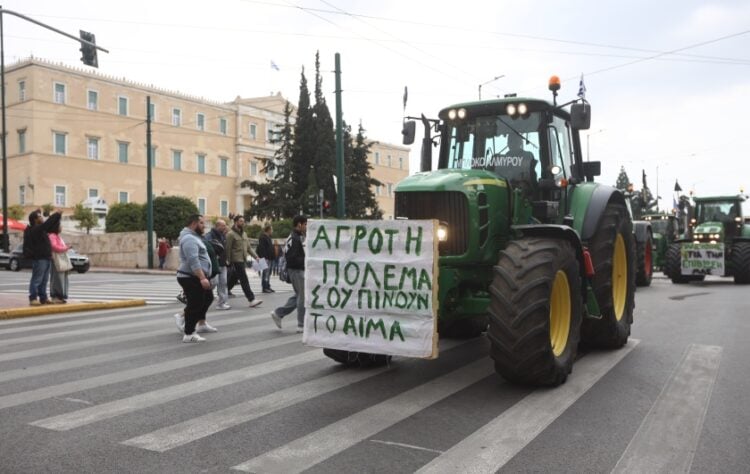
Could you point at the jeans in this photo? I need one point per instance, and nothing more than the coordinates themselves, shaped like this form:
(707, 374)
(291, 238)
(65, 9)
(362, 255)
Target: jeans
(265, 279)
(298, 300)
(198, 302)
(162, 260)
(39, 277)
(221, 286)
(240, 274)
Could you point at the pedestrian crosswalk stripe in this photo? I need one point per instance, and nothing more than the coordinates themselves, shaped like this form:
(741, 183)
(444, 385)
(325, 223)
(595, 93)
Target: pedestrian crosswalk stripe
(668, 436)
(211, 423)
(43, 393)
(115, 408)
(492, 446)
(320, 445)
(99, 319)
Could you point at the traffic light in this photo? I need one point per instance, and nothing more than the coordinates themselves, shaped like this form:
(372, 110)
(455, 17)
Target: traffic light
(312, 204)
(88, 52)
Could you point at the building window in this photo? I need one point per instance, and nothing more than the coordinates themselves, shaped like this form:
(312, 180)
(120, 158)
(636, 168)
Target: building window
(93, 193)
(388, 161)
(223, 208)
(176, 160)
(176, 117)
(122, 197)
(153, 111)
(61, 144)
(400, 162)
(253, 131)
(200, 121)
(201, 206)
(377, 157)
(93, 100)
(122, 106)
(253, 168)
(21, 91)
(92, 148)
(59, 93)
(390, 189)
(153, 156)
(202, 164)
(377, 190)
(271, 133)
(223, 168)
(22, 194)
(122, 152)
(22, 141)
(223, 126)
(60, 193)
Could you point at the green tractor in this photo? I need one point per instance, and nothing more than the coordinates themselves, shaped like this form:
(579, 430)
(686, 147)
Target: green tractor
(665, 229)
(717, 243)
(531, 249)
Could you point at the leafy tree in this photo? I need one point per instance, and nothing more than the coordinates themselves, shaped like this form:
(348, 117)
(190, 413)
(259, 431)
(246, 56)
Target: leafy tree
(170, 215)
(282, 228)
(126, 217)
(16, 212)
(47, 209)
(360, 200)
(85, 217)
(623, 182)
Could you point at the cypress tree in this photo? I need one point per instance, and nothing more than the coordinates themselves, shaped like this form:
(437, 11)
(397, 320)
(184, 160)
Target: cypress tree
(360, 200)
(324, 152)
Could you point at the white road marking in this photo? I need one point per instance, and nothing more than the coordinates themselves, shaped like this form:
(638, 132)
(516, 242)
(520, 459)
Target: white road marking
(408, 446)
(493, 445)
(668, 436)
(316, 447)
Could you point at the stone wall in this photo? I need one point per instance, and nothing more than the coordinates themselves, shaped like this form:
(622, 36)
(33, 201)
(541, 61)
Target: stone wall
(119, 249)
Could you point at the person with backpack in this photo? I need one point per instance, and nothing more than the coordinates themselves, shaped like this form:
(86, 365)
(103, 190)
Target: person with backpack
(37, 248)
(217, 237)
(294, 253)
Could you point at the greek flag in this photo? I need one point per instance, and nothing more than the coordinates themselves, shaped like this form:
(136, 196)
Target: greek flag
(582, 89)
(274, 66)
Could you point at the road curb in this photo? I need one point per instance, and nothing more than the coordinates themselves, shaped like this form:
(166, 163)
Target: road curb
(13, 313)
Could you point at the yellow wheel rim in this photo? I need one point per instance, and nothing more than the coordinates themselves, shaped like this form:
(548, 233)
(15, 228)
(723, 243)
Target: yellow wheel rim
(559, 313)
(619, 277)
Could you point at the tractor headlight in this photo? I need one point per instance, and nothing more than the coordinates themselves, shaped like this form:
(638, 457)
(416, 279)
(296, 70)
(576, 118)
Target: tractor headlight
(442, 233)
(715, 236)
(712, 242)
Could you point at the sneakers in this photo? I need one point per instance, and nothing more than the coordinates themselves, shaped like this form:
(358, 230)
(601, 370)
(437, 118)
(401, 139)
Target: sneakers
(255, 302)
(223, 306)
(300, 329)
(193, 338)
(34, 303)
(202, 328)
(268, 290)
(179, 320)
(276, 319)
(57, 301)
(46, 302)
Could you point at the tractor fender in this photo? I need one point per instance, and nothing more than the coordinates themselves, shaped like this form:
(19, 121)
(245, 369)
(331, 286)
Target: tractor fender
(552, 231)
(642, 230)
(598, 201)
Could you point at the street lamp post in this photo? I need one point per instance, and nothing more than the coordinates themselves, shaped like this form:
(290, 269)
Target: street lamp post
(485, 83)
(588, 150)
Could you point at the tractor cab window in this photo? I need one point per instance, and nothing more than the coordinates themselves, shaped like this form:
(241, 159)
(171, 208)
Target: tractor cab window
(716, 211)
(560, 150)
(508, 147)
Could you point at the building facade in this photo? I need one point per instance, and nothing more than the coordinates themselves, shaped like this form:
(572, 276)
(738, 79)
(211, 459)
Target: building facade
(75, 136)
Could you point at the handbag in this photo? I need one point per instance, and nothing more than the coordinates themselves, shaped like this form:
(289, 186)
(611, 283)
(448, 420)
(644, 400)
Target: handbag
(61, 261)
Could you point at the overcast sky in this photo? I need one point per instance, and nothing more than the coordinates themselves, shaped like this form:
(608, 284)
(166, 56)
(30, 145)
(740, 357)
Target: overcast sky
(669, 81)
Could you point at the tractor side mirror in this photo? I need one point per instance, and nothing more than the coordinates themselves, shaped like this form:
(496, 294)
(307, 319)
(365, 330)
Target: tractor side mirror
(408, 132)
(591, 169)
(580, 116)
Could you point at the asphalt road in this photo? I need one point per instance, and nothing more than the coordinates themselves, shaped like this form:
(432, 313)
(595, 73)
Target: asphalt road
(116, 391)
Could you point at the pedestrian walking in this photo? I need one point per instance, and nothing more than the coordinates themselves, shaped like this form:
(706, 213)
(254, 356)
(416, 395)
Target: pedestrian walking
(162, 252)
(294, 252)
(217, 237)
(36, 247)
(265, 250)
(194, 276)
(237, 249)
(58, 280)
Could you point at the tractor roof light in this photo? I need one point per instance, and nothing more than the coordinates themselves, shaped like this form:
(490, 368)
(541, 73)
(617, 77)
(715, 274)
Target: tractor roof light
(522, 109)
(461, 113)
(452, 114)
(554, 83)
(510, 109)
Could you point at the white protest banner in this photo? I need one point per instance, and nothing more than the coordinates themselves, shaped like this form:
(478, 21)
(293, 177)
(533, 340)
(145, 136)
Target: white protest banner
(702, 259)
(371, 286)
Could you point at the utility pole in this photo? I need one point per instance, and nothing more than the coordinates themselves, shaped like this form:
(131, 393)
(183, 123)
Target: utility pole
(149, 190)
(340, 199)
(88, 48)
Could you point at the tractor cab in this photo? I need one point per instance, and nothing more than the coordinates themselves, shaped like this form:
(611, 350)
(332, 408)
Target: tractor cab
(717, 218)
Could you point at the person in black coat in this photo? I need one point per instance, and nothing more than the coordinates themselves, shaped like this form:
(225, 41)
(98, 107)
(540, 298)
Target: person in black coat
(265, 250)
(294, 251)
(36, 247)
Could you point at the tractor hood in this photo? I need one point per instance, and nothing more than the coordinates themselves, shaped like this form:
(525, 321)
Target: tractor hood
(450, 180)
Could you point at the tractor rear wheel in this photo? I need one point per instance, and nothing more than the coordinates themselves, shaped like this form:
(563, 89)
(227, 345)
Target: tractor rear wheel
(535, 311)
(357, 359)
(741, 262)
(645, 262)
(613, 253)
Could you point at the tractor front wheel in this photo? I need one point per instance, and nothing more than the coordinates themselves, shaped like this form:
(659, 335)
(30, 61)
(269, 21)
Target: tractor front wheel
(535, 311)
(741, 263)
(613, 253)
